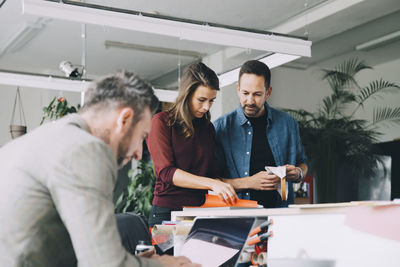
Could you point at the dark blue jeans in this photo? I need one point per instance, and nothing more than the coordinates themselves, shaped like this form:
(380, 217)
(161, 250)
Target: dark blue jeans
(158, 215)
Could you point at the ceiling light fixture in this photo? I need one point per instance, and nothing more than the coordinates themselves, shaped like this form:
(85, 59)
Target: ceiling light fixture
(23, 36)
(183, 29)
(383, 40)
(314, 14)
(153, 49)
(273, 60)
(63, 84)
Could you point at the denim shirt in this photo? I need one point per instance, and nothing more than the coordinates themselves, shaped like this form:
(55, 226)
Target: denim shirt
(234, 135)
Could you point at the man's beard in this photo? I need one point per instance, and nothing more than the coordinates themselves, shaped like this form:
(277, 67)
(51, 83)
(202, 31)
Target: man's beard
(251, 113)
(123, 148)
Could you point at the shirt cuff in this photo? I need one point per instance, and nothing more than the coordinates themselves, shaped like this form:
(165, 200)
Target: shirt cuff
(301, 176)
(167, 174)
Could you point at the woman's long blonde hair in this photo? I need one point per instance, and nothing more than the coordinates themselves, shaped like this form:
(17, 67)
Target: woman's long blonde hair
(193, 76)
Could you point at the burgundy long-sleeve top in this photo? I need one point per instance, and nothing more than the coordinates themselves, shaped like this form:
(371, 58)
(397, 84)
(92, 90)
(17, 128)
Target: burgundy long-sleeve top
(170, 150)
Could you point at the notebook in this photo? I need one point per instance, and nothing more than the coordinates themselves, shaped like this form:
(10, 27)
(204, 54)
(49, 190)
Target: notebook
(217, 241)
(213, 202)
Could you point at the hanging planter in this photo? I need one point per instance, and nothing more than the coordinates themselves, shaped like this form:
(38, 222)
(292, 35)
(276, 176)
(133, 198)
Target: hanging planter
(17, 130)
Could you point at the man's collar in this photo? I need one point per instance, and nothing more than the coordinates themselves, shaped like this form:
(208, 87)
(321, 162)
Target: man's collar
(78, 121)
(269, 113)
(242, 119)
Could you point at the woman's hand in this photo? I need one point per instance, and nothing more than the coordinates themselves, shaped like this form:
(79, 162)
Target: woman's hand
(224, 191)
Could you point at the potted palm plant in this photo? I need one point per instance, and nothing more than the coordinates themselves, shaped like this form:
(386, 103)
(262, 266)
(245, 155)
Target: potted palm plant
(338, 144)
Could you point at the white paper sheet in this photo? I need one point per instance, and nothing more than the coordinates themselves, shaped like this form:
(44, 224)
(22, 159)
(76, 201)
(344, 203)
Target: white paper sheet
(205, 253)
(279, 171)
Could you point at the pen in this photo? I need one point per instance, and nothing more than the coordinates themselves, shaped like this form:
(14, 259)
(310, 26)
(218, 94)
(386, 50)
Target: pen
(261, 227)
(259, 239)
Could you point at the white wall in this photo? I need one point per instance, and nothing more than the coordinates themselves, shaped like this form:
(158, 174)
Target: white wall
(33, 101)
(298, 89)
(226, 101)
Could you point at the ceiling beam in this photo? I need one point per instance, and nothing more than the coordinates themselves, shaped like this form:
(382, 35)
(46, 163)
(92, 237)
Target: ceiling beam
(42, 81)
(179, 29)
(273, 60)
(63, 84)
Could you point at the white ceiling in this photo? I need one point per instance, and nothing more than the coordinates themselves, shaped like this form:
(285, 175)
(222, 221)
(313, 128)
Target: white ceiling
(333, 36)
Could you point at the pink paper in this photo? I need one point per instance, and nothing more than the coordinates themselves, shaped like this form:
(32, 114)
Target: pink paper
(382, 221)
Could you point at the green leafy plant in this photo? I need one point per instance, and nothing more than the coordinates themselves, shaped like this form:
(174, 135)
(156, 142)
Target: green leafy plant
(57, 108)
(138, 195)
(338, 145)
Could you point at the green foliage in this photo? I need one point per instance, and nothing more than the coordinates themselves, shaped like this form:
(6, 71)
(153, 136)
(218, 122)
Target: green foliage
(57, 109)
(387, 115)
(138, 196)
(333, 139)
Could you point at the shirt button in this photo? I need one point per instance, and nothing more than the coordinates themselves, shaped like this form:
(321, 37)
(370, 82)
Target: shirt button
(249, 132)
(245, 173)
(248, 123)
(247, 152)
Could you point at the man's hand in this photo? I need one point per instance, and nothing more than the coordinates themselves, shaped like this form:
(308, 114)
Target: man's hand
(224, 191)
(169, 261)
(147, 253)
(264, 181)
(292, 173)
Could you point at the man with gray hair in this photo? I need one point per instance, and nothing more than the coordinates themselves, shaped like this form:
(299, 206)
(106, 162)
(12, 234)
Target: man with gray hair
(57, 182)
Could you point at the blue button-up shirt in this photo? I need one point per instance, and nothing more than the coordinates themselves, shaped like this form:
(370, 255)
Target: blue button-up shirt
(234, 135)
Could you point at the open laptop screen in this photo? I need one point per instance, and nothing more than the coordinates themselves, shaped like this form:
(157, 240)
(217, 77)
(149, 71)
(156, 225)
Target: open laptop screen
(217, 241)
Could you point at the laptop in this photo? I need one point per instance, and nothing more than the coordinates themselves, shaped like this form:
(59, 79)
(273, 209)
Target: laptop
(218, 241)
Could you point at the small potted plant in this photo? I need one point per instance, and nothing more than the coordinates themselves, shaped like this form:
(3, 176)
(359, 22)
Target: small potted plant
(57, 108)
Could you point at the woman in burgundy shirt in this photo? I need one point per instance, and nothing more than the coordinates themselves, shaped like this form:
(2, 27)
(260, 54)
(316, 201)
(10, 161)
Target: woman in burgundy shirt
(181, 143)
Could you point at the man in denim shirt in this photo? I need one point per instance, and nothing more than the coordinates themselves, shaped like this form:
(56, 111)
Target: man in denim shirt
(254, 136)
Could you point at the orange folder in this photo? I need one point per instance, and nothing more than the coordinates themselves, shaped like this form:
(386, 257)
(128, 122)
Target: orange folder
(213, 201)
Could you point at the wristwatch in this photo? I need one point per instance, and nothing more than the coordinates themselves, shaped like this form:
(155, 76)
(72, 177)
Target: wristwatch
(301, 176)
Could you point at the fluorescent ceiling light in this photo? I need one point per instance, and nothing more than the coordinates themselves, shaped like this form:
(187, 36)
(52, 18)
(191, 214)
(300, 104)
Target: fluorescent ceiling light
(63, 84)
(314, 14)
(153, 49)
(272, 61)
(383, 40)
(276, 59)
(179, 29)
(23, 36)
